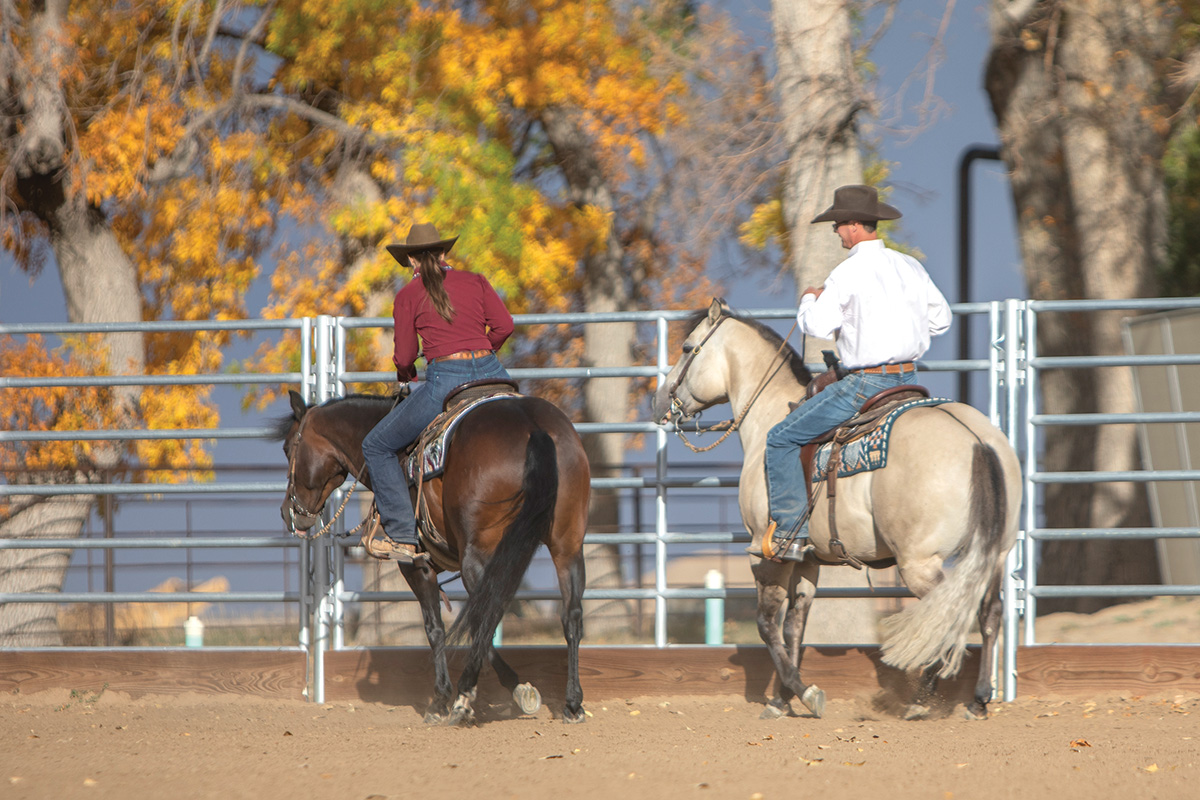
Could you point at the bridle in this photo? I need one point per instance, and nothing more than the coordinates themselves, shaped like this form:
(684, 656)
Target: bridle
(296, 508)
(676, 405)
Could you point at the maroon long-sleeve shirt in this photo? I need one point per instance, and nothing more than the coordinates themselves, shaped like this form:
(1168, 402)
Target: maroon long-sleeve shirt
(481, 322)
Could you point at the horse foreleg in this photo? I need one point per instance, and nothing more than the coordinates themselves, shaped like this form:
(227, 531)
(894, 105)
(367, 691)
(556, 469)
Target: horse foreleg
(776, 585)
(990, 611)
(423, 581)
(571, 580)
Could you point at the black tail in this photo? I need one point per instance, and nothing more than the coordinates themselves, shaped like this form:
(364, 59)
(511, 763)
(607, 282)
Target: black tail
(503, 573)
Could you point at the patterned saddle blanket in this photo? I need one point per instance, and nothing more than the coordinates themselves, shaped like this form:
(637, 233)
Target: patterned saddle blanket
(428, 456)
(870, 450)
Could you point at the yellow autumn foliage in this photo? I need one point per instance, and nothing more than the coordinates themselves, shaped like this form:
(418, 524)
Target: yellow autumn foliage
(436, 104)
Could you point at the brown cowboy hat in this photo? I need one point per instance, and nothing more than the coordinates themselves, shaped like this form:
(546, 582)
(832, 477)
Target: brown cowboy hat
(857, 203)
(422, 237)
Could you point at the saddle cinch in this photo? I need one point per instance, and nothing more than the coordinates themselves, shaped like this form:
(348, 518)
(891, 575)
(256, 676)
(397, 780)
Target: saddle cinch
(875, 412)
(424, 459)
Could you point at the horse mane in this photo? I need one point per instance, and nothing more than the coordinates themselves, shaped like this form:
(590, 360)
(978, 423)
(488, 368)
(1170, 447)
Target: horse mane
(793, 360)
(280, 426)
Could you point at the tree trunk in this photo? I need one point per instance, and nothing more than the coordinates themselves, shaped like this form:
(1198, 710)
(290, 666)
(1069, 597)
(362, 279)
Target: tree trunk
(820, 96)
(99, 283)
(1071, 84)
(22, 571)
(605, 288)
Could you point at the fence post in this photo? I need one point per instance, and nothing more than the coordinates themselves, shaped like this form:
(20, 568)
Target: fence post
(714, 609)
(1014, 595)
(660, 501)
(323, 347)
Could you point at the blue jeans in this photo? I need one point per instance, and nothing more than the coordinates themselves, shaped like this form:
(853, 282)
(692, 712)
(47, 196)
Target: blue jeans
(402, 425)
(787, 491)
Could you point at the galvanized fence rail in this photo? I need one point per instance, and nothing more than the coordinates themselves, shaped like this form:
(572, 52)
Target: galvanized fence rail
(1012, 367)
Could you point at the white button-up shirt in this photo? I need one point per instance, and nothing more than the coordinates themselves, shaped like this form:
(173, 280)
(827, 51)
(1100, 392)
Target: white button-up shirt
(879, 304)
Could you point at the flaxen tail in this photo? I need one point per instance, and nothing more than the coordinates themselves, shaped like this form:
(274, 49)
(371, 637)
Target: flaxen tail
(503, 573)
(936, 628)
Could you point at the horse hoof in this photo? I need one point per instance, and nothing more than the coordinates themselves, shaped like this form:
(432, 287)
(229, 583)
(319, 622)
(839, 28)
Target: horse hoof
(527, 698)
(462, 714)
(814, 700)
(462, 718)
(771, 712)
(974, 711)
(916, 712)
(434, 719)
(573, 717)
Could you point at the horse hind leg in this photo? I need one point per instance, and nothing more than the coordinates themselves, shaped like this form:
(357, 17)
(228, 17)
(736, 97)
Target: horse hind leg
(571, 581)
(990, 611)
(527, 698)
(462, 713)
(920, 706)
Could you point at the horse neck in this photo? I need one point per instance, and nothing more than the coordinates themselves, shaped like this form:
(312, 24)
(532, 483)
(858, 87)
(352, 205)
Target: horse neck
(748, 365)
(345, 425)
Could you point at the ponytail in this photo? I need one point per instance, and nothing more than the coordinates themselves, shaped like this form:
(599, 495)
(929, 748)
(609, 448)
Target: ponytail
(429, 267)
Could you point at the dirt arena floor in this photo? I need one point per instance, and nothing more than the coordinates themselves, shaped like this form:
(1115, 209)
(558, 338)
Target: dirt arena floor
(60, 745)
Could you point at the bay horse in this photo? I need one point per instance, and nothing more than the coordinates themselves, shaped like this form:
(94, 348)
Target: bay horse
(944, 510)
(515, 476)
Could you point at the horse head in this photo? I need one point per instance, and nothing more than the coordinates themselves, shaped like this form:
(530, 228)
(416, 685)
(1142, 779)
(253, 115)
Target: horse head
(695, 382)
(314, 470)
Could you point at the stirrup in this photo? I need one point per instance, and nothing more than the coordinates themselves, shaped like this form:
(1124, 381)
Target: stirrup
(795, 551)
(383, 547)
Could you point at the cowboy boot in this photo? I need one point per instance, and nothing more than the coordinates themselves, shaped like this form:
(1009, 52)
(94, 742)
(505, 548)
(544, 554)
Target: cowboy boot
(407, 553)
(383, 547)
(776, 551)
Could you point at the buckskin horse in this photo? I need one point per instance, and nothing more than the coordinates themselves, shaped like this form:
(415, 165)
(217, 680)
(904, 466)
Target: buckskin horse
(515, 476)
(944, 510)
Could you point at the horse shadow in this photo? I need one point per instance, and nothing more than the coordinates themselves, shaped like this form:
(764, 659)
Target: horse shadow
(884, 690)
(402, 677)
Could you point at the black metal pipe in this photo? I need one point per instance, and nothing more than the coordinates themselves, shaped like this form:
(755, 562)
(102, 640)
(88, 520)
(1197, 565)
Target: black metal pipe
(971, 154)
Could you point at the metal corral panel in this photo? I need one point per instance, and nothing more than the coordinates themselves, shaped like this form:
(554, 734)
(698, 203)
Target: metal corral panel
(1172, 388)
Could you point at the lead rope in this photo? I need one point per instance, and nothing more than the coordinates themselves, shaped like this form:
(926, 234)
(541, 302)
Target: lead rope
(729, 427)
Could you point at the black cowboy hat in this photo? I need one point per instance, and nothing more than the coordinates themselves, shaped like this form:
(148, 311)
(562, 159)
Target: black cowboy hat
(422, 237)
(857, 203)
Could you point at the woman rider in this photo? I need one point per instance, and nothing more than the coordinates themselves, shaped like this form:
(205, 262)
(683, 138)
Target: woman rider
(460, 322)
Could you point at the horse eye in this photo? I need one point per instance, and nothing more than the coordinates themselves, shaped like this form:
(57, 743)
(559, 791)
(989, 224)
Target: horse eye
(687, 348)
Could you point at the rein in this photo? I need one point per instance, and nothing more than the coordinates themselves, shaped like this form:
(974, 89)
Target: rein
(296, 507)
(728, 427)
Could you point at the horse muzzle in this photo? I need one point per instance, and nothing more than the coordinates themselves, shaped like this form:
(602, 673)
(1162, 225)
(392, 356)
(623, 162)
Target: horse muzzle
(675, 412)
(668, 407)
(295, 518)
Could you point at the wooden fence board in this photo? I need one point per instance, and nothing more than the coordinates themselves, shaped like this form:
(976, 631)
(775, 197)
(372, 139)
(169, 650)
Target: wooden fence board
(404, 676)
(167, 672)
(1101, 669)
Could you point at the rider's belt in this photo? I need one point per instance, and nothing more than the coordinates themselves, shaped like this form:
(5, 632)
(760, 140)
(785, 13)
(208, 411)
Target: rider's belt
(890, 369)
(461, 354)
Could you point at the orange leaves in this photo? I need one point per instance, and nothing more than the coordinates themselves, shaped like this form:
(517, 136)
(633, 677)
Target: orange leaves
(125, 139)
(91, 407)
(49, 409)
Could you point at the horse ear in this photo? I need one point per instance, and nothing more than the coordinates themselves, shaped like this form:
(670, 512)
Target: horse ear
(299, 407)
(716, 308)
